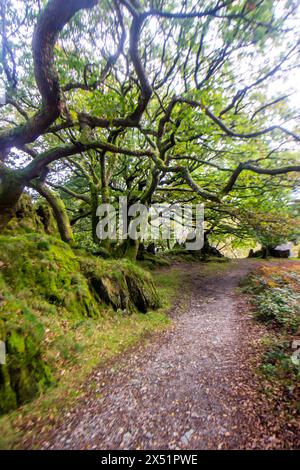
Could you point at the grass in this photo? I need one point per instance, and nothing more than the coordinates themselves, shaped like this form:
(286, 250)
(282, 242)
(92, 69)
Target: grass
(76, 347)
(167, 282)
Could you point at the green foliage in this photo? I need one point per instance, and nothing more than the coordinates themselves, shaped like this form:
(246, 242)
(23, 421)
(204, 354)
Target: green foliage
(276, 296)
(278, 366)
(279, 305)
(54, 301)
(194, 58)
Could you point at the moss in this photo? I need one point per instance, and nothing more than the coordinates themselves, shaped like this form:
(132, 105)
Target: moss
(113, 292)
(31, 217)
(25, 218)
(25, 373)
(43, 271)
(47, 267)
(142, 291)
(150, 261)
(45, 214)
(79, 299)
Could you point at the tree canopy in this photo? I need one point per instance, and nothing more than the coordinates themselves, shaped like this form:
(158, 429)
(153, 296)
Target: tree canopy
(159, 101)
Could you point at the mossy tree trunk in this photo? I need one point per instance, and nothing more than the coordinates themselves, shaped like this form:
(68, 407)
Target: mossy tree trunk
(105, 196)
(11, 189)
(94, 206)
(58, 208)
(131, 249)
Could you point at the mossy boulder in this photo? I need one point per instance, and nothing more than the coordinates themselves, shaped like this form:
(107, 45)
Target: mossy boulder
(142, 292)
(121, 283)
(46, 267)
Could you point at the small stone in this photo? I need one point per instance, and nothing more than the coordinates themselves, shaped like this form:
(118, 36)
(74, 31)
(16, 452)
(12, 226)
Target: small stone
(187, 436)
(127, 438)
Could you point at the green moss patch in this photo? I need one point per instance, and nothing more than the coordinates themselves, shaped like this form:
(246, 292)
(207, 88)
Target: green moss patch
(24, 373)
(32, 217)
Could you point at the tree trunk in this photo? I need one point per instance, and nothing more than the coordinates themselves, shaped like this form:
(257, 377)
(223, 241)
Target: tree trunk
(11, 189)
(132, 248)
(59, 210)
(104, 196)
(94, 207)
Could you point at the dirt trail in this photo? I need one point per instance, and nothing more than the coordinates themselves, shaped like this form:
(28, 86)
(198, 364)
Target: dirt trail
(192, 388)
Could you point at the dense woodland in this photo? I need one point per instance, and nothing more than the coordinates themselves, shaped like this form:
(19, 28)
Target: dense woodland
(162, 102)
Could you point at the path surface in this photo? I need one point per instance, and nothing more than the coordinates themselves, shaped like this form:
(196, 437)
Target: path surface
(192, 388)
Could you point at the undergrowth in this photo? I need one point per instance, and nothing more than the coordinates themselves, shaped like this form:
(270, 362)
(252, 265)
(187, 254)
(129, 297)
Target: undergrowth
(275, 292)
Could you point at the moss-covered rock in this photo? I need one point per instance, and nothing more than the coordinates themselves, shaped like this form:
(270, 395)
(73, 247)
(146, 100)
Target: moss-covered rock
(46, 267)
(142, 292)
(121, 284)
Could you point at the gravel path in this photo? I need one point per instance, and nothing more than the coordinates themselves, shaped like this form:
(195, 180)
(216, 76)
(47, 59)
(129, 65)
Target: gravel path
(191, 388)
